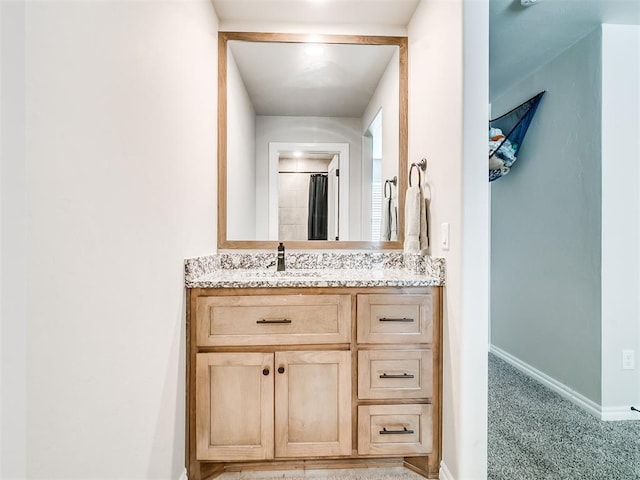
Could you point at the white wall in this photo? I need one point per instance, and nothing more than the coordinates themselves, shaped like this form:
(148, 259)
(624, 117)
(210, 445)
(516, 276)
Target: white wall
(386, 97)
(120, 186)
(241, 157)
(306, 130)
(13, 251)
(545, 307)
(473, 330)
(620, 215)
(448, 97)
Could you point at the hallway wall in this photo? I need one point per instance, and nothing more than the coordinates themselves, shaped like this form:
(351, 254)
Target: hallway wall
(545, 221)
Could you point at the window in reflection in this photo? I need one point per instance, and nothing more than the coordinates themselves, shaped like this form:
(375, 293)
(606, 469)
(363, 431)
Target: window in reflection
(375, 132)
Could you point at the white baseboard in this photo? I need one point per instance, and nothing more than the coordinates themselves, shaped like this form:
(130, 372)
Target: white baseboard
(619, 413)
(445, 474)
(560, 388)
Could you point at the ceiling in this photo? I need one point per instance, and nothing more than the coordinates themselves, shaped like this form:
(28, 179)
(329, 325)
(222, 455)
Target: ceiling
(314, 12)
(521, 38)
(524, 38)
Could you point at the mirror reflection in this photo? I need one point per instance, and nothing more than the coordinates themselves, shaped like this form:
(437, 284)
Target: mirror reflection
(312, 141)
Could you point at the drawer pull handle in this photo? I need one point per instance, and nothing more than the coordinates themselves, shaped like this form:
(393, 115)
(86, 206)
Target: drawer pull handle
(265, 372)
(404, 375)
(384, 431)
(264, 321)
(403, 319)
(280, 370)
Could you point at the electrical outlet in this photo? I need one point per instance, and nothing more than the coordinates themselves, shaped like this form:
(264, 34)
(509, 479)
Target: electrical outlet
(628, 359)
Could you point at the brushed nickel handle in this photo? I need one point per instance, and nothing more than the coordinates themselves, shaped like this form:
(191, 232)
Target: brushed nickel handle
(404, 375)
(264, 321)
(403, 319)
(384, 431)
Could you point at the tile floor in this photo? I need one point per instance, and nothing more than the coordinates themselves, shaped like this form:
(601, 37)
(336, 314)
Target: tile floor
(390, 473)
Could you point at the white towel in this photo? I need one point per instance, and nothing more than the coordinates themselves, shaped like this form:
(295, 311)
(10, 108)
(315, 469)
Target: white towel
(389, 227)
(415, 214)
(394, 221)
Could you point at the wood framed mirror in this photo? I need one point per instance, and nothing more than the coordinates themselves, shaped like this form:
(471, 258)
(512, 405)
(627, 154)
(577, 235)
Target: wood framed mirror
(312, 141)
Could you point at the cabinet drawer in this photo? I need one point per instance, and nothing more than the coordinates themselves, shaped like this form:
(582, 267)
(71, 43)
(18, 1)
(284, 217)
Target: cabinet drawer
(395, 429)
(401, 318)
(273, 320)
(395, 374)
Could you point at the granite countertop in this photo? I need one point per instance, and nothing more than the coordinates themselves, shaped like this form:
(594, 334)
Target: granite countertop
(344, 269)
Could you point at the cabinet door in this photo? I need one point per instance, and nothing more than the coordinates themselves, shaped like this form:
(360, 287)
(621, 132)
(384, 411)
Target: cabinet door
(234, 406)
(313, 403)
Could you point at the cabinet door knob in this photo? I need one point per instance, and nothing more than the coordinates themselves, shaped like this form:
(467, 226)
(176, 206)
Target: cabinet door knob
(280, 369)
(265, 372)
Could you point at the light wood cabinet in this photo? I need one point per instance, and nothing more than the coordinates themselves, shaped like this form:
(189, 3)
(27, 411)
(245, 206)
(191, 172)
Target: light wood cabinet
(234, 394)
(281, 378)
(398, 360)
(238, 393)
(395, 319)
(395, 373)
(313, 404)
(273, 320)
(395, 429)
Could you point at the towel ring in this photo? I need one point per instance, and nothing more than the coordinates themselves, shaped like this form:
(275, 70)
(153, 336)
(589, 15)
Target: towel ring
(393, 181)
(421, 165)
(413, 165)
(386, 184)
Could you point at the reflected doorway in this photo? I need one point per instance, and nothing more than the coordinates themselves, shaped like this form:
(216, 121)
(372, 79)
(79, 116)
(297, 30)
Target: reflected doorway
(308, 191)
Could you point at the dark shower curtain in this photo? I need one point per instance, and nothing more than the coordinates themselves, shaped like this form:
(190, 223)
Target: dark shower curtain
(318, 206)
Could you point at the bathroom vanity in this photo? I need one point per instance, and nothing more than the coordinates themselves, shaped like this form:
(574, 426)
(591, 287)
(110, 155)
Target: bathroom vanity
(336, 362)
(313, 367)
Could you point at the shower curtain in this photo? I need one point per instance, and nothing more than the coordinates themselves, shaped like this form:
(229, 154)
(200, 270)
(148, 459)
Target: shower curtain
(318, 207)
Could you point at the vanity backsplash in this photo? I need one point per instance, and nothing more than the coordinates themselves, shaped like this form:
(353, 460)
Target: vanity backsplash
(324, 269)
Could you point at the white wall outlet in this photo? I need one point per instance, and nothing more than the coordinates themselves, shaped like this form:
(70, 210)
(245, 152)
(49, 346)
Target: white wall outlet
(628, 359)
(444, 235)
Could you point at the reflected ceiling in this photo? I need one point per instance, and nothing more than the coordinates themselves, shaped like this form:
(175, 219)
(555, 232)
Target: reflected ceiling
(311, 80)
